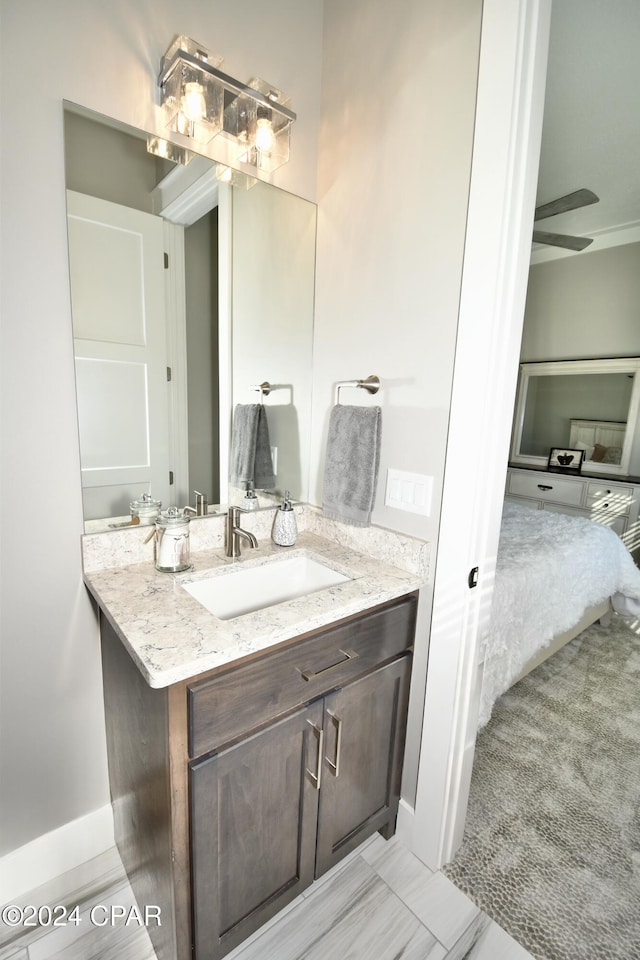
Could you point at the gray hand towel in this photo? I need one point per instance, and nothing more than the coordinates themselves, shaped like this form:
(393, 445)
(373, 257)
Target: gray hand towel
(351, 464)
(250, 447)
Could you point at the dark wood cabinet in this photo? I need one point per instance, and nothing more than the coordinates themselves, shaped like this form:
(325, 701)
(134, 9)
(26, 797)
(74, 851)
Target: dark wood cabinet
(271, 769)
(364, 730)
(254, 813)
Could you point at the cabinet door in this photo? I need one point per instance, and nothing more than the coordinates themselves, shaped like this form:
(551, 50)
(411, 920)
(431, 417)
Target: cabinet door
(364, 729)
(254, 813)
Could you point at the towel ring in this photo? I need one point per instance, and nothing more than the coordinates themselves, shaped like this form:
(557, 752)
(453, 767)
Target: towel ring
(371, 385)
(264, 388)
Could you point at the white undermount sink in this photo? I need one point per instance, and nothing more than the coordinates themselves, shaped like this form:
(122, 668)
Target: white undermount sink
(243, 590)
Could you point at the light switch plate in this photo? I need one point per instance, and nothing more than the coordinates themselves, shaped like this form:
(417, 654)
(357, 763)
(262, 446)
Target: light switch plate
(409, 491)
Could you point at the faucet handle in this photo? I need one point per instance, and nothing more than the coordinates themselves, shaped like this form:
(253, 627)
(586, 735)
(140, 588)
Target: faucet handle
(202, 503)
(238, 509)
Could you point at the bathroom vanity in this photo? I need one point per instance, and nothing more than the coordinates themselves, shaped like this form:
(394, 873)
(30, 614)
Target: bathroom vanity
(237, 785)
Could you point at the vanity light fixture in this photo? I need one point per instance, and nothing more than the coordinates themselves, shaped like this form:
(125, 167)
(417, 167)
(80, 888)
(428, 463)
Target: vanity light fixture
(202, 102)
(234, 177)
(168, 150)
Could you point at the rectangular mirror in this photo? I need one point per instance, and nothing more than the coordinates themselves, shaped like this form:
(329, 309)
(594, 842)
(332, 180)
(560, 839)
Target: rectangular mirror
(586, 405)
(187, 292)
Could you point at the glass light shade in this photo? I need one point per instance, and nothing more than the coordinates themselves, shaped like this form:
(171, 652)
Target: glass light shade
(192, 99)
(265, 139)
(260, 129)
(193, 103)
(272, 127)
(168, 150)
(236, 178)
(270, 148)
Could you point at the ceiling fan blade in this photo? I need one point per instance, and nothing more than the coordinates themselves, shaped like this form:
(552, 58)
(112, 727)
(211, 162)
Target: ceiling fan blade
(561, 240)
(572, 201)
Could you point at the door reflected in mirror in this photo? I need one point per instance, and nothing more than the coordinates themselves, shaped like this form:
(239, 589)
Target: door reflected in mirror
(187, 293)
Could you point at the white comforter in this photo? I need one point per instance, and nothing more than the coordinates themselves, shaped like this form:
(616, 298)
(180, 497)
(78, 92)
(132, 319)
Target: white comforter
(550, 568)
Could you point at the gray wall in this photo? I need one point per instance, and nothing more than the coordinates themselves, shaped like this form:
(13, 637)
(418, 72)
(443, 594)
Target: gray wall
(107, 163)
(201, 281)
(584, 306)
(552, 402)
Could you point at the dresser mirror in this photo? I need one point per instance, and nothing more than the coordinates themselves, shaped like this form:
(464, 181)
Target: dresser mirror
(584, 405)
(188, 293)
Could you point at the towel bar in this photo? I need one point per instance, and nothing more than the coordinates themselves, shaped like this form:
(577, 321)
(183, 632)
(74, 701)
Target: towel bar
(371, 385)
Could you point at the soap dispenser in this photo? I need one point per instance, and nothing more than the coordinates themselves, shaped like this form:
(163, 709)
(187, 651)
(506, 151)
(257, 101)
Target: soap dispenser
(250, 500)
(285, 528)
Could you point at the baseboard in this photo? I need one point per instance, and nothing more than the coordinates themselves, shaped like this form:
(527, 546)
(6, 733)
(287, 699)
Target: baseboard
(54, 853)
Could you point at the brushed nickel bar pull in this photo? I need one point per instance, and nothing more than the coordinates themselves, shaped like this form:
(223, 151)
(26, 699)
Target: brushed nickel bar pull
(335, 764)
(312, 674)
(315, 777)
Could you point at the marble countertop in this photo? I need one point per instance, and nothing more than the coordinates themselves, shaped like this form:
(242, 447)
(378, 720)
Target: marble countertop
(172, 637)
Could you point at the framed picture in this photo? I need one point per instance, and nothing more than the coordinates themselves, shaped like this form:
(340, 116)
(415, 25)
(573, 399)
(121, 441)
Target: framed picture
(569, 461)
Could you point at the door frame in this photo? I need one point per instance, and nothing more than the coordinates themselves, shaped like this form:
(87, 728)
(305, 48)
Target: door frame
(506, 151)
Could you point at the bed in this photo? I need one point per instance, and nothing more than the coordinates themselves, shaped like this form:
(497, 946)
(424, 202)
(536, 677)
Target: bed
(601, 440)
(555, 575)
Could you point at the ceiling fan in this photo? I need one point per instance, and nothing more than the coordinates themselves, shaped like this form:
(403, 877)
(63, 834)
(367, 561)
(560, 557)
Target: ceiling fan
(571, 201)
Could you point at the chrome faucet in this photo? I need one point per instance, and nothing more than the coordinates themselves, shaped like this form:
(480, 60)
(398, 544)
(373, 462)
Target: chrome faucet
(235, 532)
(201, 508)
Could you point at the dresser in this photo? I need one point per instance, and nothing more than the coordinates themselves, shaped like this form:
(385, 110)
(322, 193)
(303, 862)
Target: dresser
(615, 503)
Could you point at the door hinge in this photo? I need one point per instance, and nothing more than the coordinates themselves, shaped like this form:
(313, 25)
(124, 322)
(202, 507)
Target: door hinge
(166, 261)
(472, 579)
(170, 478)
(168, 374)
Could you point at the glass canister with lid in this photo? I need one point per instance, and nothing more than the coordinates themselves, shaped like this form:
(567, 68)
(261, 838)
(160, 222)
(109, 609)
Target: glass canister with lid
(172, 541)
(145, 510)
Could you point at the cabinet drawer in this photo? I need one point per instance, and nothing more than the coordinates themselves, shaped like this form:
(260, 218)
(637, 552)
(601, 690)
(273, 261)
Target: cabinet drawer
(547, 487)
(563, 508)
(617, 524)
(245, 697)
(608, 498)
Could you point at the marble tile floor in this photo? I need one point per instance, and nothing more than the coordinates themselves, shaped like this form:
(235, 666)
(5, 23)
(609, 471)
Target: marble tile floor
(381, 903)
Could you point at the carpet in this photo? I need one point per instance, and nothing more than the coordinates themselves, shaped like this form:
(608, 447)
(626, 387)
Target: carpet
(551, 848)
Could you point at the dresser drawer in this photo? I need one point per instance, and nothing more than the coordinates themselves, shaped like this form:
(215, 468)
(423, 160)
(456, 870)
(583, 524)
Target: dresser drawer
(547, 487)
(609, 498)
(237, 700)
(563, 508)
(617, 523)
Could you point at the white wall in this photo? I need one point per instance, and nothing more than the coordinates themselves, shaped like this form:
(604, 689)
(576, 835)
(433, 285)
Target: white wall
(394, 158)
(104, 56)
(399, 87)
